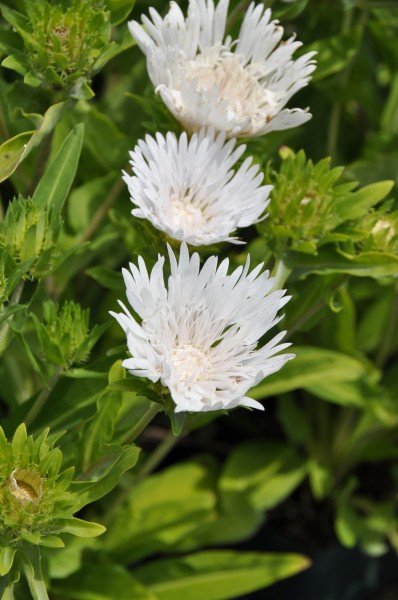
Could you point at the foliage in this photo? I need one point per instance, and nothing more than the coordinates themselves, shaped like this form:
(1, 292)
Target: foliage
(81, 440)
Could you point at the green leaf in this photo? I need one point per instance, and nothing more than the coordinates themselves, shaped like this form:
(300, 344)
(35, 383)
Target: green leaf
(106, 473)
(321, 478)
(163, 512)
(70, 402)
(119, 9)
(334, 53)
(347, 523)
(7, 585)
(329, 260)
(18, 20)
(99, 431)
(291, 10)
(139, 385)
(16, 62)
(81, 91)
(102, 132)
(31, 79)
(114, 49)
(84, 374)
(56, 182)
(311, 366)
(362, 200)
(84, 529)
(295, 421)
(102, 582)
(12, 153)
(52, 541)
(375, 321)
(10, 42)
(15, 150)
(31, 564)
(266, 472)
(177, 421)
(217, 575)
(6, 559)
(86, 199)
(108, 278)
(10, 310)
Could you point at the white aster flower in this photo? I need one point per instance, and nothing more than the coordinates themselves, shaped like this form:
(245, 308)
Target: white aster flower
(198, 335)
(206, 79)
(189, 190)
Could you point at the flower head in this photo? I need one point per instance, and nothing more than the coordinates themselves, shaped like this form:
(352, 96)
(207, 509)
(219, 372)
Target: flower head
(206, 79)
(189, 190)
(37, 499)
(198, 335)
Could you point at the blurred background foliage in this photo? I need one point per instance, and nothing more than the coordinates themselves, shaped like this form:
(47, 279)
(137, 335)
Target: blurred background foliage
(319, 468)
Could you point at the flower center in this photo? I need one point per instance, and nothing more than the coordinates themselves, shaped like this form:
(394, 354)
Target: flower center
(26, 485)
(185, 214)
(190, 364)
(238, 87)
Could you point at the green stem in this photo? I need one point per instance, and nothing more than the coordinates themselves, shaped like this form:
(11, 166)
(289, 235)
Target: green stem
(5, 327)
(342, 438)
(102, 211)
(389, 332)
(143, 422)
(361, 432)
(335, 113)
(42, 398)
(337, 107)
(44, 153)
(157, 456)
(312, 310)
(281, 273)
(147, 468)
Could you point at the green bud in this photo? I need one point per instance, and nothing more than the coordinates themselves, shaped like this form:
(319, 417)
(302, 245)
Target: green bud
(310, 206)
(64, 334)
(380, 231)
(62, 41)
(304, 202)
(27, 232)
(35, 504)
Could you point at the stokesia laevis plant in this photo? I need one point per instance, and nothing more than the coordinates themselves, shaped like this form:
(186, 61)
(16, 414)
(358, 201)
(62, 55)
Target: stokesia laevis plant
(198, 335)
(189, 190)
(206, 79)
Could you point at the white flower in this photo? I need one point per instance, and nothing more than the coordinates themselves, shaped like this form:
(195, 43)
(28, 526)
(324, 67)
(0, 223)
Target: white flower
(190, 191)
(198, 335)
(240, 87)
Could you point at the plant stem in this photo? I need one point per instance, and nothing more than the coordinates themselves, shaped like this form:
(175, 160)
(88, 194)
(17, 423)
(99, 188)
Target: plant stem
(335, 113)
(42, 397)
(102, 211)
(342, 439)
(5, 327)
(158, 455)
(314, 308)
(281, 272)
(143, 422)
(148, 467)
(389, 332)
(45, 149)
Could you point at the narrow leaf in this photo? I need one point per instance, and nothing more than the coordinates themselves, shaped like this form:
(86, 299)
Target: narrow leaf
(217, 575)
(55, 184)
(80, 528)
(6, 559)
(12, 153)
(31, 564)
